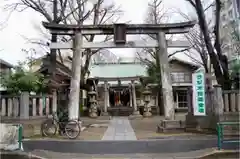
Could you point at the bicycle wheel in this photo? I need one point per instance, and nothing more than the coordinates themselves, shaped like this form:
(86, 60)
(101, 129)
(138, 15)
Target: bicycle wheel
(72, 129)
(48, 128)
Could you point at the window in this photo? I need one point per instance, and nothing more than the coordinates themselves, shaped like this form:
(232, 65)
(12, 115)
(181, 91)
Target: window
(182, 98)
(178, 76)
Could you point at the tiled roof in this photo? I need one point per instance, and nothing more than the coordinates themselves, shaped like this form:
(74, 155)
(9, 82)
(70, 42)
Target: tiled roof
(117, 70)
(3, 62)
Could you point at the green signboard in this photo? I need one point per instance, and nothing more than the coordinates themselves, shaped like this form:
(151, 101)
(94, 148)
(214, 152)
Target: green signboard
(198, 82)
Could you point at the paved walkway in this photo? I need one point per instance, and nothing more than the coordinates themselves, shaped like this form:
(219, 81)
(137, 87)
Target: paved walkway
(119, 129)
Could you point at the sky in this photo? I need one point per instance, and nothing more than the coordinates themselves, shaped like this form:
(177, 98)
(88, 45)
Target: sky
(22, 26)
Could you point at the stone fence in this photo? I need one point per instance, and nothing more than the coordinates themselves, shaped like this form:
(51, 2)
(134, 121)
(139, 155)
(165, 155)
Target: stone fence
(231, 99)
(26, 106)
(221, 106)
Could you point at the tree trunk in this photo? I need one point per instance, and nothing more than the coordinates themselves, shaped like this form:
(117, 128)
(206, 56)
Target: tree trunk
(221, 75)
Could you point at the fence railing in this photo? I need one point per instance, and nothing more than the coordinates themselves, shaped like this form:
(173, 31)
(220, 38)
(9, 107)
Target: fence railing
(231, 99)
(26, 105)
(221, 135)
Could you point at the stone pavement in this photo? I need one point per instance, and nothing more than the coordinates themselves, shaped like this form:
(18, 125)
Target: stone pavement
(119, 129)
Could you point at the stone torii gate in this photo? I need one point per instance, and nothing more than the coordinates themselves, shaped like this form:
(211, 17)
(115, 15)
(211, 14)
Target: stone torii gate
(120, 31)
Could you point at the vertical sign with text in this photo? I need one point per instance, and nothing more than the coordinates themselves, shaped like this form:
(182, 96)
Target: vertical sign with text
(198, 84)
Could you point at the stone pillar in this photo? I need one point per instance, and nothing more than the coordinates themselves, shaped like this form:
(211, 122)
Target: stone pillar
(4, 106)
(54, 101)
(24, 105)
(40, 107)
(47, 106)
(10, 107)
(218, 100)
(106, 98)
(73, 107)
(136, 113)
(34, 106)
(165, 77)
(15, 107)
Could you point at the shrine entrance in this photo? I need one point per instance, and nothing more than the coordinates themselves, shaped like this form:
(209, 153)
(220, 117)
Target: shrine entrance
(119, 32)
(119, 101)
(119, 97)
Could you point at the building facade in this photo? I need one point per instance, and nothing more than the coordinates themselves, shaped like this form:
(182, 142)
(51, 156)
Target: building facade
(120, 75)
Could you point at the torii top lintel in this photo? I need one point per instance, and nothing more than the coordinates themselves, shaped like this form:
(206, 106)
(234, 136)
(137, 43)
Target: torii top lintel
(169, 28)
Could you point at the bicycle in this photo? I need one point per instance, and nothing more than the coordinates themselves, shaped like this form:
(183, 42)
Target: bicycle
(50, 126)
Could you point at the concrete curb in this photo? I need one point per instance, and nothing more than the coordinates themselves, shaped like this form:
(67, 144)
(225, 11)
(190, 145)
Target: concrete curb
(200, 154)
(207, 153)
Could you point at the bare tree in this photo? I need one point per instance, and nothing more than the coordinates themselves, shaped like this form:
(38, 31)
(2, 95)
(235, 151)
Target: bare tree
(197, 43)
(155, 15)
(69, 12)
(218, 60)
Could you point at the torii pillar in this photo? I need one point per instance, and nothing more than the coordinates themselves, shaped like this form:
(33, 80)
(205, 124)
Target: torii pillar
(165, 77)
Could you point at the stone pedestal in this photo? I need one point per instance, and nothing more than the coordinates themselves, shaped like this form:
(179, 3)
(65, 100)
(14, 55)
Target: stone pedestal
(147, 114)
(104, 114)
(135, 115)
(171, 126)
(214, 113)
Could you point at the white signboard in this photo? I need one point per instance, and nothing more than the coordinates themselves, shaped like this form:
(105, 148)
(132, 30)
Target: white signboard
(198, 84)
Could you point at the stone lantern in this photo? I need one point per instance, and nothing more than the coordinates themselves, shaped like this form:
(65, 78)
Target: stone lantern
(93, 104)
(147, 98)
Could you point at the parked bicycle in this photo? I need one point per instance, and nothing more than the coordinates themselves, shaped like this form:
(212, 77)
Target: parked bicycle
(69, 128)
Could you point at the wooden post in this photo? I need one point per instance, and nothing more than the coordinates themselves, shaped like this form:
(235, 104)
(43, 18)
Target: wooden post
(73, 107)
(24, 105)
(165, 77)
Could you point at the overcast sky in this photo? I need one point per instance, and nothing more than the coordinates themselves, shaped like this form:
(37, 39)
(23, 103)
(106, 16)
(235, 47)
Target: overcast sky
(23, 24)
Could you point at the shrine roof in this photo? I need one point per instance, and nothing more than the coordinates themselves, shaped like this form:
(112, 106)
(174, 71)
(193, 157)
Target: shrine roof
(117, 70)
